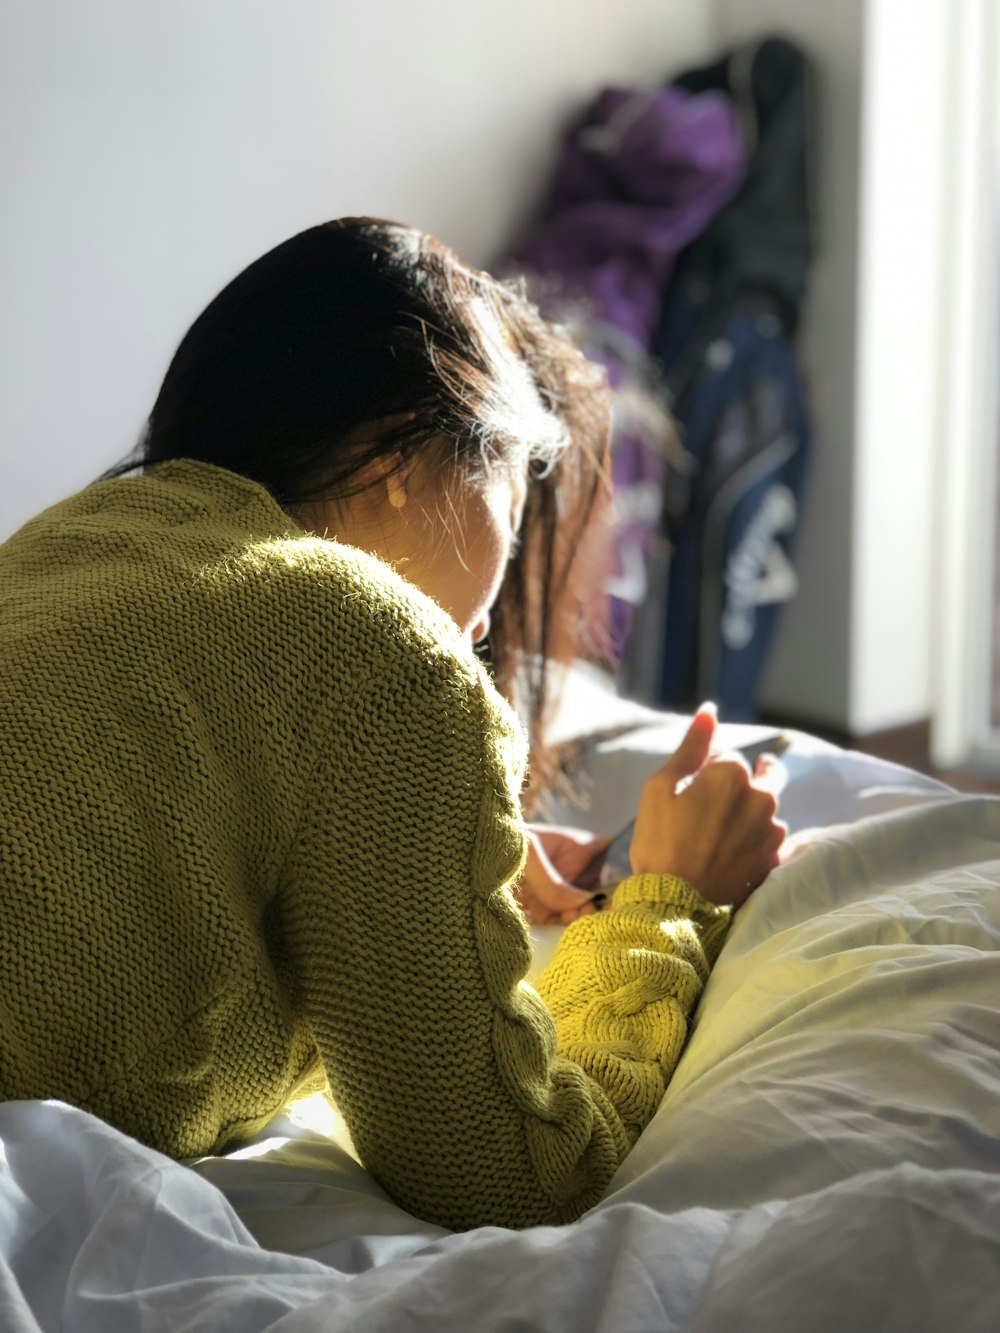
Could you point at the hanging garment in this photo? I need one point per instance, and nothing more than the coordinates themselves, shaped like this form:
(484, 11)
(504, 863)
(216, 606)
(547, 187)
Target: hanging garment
(730, 568)
(725, 342)
(638, 178)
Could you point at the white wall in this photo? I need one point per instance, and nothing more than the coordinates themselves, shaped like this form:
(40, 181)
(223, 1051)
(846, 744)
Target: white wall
(901, 359)
(966, 650)
(150, 150)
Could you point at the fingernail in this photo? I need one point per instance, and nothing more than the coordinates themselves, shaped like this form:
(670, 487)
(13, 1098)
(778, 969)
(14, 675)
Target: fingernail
(599, 899)
(709, 706)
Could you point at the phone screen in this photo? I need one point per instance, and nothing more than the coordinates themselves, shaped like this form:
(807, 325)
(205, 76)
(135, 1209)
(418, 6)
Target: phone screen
(615, 864)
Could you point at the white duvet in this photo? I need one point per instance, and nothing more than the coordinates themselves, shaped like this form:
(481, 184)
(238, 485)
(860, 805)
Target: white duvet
(827, 1156)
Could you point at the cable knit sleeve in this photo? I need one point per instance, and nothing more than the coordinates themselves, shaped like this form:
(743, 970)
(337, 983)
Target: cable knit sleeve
(470, 1099)
(622, 984)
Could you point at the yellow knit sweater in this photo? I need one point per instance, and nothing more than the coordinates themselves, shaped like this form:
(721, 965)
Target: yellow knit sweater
(259, 820)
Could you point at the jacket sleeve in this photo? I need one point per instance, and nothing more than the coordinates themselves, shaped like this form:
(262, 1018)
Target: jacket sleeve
(470, 1098)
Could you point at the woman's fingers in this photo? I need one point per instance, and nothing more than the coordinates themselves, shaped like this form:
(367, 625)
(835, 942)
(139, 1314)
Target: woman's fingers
(567, 918)
(693, 752)
(544, 894)
(730, 757)
(771, 774)
(574, 854)
(706, 818)
(718, 831)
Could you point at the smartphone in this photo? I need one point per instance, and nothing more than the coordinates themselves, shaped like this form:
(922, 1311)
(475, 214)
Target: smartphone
(615, 864)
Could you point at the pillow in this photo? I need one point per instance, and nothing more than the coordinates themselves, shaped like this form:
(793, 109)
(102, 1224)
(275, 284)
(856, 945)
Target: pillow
(852, 1021)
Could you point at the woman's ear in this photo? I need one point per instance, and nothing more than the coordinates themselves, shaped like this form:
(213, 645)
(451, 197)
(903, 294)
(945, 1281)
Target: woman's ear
(395, 489)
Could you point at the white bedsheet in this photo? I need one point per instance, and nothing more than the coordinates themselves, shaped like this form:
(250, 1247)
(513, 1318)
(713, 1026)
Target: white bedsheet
(827, 1156)
(100, 1235)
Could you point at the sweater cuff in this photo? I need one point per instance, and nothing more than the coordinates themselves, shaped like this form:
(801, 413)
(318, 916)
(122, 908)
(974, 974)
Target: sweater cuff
(671, 891)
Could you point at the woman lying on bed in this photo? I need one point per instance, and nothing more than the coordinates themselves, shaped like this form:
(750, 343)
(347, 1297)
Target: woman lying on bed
(259, 804)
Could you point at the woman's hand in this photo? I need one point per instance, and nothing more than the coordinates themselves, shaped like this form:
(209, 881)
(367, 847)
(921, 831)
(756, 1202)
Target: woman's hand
(707, 819)
(555, 888)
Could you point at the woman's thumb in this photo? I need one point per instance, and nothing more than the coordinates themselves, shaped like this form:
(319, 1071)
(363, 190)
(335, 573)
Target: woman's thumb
(691, 755)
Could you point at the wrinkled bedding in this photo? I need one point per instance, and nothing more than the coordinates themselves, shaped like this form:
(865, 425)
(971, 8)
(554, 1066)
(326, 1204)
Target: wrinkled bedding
(827, 1156)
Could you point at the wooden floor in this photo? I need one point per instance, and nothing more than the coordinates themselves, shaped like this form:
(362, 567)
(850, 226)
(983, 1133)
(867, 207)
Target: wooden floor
(966, 780)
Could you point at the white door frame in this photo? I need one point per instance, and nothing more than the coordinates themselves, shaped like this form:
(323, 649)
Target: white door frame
(967, 529)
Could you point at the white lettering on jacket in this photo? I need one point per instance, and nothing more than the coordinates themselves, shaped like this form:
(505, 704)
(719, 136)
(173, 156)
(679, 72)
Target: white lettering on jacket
(759, 572)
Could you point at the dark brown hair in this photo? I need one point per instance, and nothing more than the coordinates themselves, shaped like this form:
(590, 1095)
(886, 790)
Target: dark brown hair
(360, 321)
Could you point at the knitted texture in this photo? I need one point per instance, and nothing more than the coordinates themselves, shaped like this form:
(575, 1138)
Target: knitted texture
(259, 822)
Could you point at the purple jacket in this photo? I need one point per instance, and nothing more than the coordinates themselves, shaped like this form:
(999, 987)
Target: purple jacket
(639, 176)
